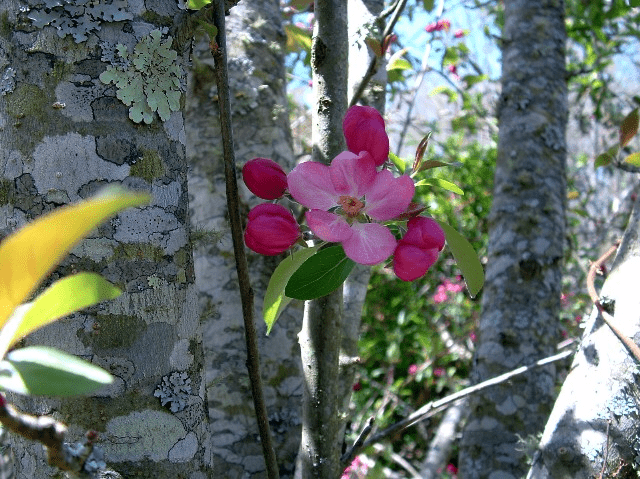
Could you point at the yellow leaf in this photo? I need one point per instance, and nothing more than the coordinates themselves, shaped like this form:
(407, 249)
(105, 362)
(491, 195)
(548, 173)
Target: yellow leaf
(29, 255)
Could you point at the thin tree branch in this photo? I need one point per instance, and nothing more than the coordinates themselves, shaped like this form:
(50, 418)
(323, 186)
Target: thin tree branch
(51, 434)
(373, 64)
(348, 456)
(631, 346)
(246, 292)
(433, 407)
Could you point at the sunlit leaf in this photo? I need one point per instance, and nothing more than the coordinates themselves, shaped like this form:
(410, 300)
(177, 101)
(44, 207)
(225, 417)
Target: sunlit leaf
(42, 371)
(29, 255)
(398, 162)
(466, 259)
(572, 195)
(321, 274)
(447, 185)
(633, 159)
(297, 38)
(197, 4)
(396, 62)
(629, 127)
(274, 298)
(62, 298)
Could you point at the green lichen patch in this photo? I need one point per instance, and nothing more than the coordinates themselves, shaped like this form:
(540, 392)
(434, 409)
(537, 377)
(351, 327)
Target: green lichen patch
(112, 331)
(26, 100)
(6, 191)
(138, 251)
(5, 25)
(149, 81)
(148, 167)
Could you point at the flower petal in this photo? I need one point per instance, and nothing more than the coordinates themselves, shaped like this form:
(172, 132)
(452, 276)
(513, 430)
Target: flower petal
(370, 243)
(328, 226)
(310, 185)
(352, 174)
(425, 233)
(363, 128)
(388, 196)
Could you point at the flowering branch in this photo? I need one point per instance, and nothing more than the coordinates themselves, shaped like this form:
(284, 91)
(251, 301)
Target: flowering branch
(246, 293)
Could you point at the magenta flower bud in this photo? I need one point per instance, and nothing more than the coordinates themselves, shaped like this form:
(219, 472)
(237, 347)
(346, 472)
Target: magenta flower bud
(271, 229)
(411, 262)
(363, 129)
(459, 33)
(431, 27)
(425, 233)
(264, 178)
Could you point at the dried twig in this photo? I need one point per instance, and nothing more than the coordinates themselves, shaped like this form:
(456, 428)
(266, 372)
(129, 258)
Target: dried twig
(631, 346)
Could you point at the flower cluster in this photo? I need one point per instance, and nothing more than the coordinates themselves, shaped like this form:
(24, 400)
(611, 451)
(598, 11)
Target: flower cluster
(438, 26)
(348, 202)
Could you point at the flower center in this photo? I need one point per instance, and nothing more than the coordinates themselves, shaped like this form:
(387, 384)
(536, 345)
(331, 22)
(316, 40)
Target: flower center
(351, 206)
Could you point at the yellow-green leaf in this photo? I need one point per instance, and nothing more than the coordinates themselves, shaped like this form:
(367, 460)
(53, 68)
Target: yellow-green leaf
(29, 255)
(633, 159)
(38, 370)
(62, 298)
(274, 299)
(447, 185)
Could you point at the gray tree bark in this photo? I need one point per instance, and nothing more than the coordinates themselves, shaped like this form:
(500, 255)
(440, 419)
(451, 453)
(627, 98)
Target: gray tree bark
(63, 135)
(261, 129)
(593, 428)
(521, 299)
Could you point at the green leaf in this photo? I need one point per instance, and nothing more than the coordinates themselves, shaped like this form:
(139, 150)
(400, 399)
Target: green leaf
(447, 185)
(297, 38)
(399, 163)
(633, 159)
(466, 258)
(629, 127)
(274, 299)
(43, 371)
(209, 28)
(606, 158)
(427, 165)
(396, 62)
(197, 4)
(62, 298)
(321, 274)
(428, 5)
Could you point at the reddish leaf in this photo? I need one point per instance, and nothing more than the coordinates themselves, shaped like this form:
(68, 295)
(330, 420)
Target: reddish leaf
(422, 147)
(629, 127)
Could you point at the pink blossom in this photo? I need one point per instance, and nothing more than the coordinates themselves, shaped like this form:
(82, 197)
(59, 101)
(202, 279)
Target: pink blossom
(412, 370)
(271, 229)
(431, 27)
(418, 249)
(438, 372)
(441, 295)
(453, 69)
(364, 130)
(451, 469)
(352, 187)
(452, 287)
(265, 178)
(472, 336)
(459, 33)
(357, 386)
(443, 24)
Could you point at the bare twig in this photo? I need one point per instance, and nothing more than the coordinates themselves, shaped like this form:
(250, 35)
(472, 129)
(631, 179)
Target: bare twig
(373, 64)
(51, 434)
(433, 407)
(246, 292)
(348, 456)
(631, 346)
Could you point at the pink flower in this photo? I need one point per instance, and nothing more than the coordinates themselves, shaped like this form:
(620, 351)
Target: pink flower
(352, 187)
(438, 372)
(271, 229)
(265, 178)
(459, 33)
(443, 24)
(452, 287)
(364, 130)
(413, 369)
(453, 69)
(431, 27)
(357, 386)
(441, 295)
(451, 469)
(418, 249)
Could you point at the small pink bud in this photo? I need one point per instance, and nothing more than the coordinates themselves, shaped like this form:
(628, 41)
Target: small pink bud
(357, 387)
(459, 33)
(425, 233)
(364, 130)
(271, 229)
(432, 27)
(265, 178)
(418, 250)
(413, 369)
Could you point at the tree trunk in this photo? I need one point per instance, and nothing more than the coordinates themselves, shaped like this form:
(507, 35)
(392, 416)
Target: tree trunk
(582, 434)
(64, 135)
(521, 298)
(255, 40)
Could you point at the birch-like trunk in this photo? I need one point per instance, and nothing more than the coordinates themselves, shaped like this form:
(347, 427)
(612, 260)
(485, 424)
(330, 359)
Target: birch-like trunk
(64, 135)
(521, 298)
(255, 40)
(595, 418)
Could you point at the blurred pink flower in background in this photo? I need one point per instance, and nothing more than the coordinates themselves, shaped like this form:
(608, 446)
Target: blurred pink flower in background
(412, 370)
(459, 33)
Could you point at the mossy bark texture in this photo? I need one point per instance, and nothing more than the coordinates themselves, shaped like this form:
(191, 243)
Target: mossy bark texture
(521, 298)
(64, 135)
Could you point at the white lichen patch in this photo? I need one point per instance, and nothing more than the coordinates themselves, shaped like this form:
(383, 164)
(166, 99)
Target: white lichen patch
(174, 391)
(185, 449)
(77, 99)
(68, 162)
(147, 79)
(142, 435)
